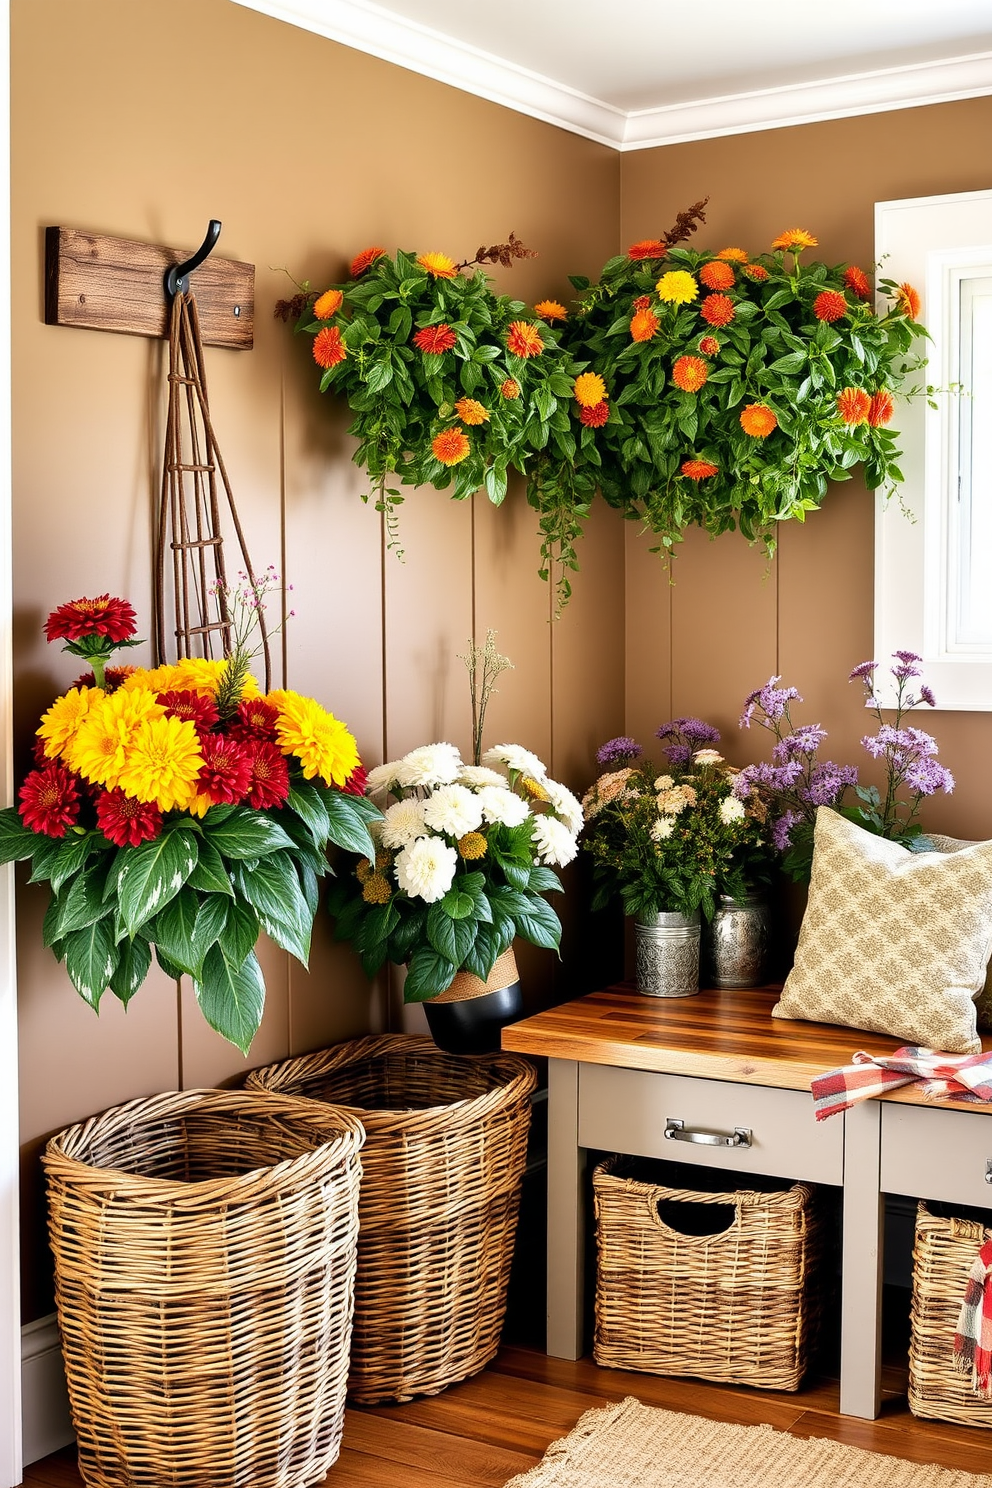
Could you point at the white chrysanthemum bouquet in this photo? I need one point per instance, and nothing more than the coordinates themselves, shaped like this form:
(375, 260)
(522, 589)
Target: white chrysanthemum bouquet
(464, 856)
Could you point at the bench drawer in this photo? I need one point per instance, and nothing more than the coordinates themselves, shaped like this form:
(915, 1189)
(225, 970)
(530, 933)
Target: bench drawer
(934, 1154)
(622, 1110)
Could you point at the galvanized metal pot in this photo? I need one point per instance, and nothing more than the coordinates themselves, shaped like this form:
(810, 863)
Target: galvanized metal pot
(736, 942)
(667, 954)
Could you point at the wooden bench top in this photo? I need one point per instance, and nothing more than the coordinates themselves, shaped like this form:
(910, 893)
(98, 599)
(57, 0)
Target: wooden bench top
(719, 1035)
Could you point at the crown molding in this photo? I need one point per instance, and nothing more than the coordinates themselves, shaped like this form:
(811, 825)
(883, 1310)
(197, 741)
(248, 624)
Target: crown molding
(382, 33)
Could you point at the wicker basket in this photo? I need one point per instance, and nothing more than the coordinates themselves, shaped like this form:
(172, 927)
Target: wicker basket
(733, 1306)
(205, 1248)
(943, 1255)
(442, 1167)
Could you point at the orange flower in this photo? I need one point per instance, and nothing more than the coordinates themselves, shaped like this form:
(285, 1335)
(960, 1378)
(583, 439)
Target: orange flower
(698, 469)
(589, 389)
(858, 282)
(717, 275)
(853, 405)
(758, 272)
(594, 417)
(550, 310)
(643, 325)
(795, 237)
(437, 264)
(908, 301)
(435, 339)
(882, 408)
(648, 248)
(717, 309)
(709, 346)
(689, 373)
(510, 389)
(758, 420)
(829, 305)
(734, 255)
(328, 348)
(523, 339)
(471, 412)
(365, 260)
(450, 446)
(328, 304)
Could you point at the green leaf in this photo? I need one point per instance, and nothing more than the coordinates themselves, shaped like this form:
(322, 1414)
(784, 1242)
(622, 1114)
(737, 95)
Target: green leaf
(533, 918)
(50, 925)
(134, 959)
(241, 930)
(543, 881)
(451, 938)
(428, 974)
(16, 840)
(273, 890)
(91, 960)
(72, 854)
(43, 857)
(231, 996)
(247, 834)
(83, 903)
(210, 875)
(456, 904)
(151, 874)
(308, 803)
(347, 817)
(482, 955)
(169, 967)
(173, 928)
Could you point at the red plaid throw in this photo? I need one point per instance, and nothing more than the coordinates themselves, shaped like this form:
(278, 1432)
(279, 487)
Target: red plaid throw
(964, 1076)
(973, 1339)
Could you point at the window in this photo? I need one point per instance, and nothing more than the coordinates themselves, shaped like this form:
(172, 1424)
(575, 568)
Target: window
(933, 544)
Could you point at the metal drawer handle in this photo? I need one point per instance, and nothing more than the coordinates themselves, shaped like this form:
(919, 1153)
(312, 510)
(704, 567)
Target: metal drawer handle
(675, 1131)
(988, 1170)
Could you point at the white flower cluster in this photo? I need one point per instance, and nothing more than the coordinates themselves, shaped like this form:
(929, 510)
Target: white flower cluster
(439, 798)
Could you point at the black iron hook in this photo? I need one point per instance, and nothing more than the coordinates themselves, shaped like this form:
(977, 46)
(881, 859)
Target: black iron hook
(177, 277)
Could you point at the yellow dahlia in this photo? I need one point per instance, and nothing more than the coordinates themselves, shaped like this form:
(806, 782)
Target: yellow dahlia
(59, 725)
(438, 264)
(795, 238)
(163, 763)
(677, 287)
(102, 744)
(471, 412)
(550, 310)
(316, 738)
(589, 389)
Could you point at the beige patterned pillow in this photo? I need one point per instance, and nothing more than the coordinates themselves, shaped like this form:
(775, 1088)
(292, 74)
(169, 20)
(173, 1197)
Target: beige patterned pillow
(892, 941)
(983, 1007)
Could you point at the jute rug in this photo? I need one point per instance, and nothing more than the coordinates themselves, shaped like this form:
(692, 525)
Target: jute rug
(638, 1446)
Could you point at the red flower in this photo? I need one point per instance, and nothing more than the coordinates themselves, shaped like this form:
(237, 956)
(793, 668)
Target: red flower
(596, 416)
(717, 309)
(829, 305)
(103, 616)
(649, 248)
(328, 347)
(435, 339)
(49, 800)
(757, 272)
(113, 677)
(882, 408)
(698, 469)
(689, 373)
(643, 302)
(269, 775)
(510, 389)
(858, 282)
(853, 405)
(125, 821)
(192, 707)
(355, 784)
(255, 719)
(225, 775)
(709, 346)
(365, 260)
(523, 339)
(717, 275)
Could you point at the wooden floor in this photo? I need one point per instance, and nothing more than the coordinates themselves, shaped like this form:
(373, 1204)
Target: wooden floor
(498, 1424)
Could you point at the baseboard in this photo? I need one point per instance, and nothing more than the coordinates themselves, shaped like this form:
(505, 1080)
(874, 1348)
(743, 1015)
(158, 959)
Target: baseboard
(45, 1401)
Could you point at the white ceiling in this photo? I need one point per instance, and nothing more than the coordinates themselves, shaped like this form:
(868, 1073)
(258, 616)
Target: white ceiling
(634, 73)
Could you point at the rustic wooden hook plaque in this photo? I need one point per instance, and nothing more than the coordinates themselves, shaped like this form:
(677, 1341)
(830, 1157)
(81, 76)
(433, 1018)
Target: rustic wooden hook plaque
(115, 284)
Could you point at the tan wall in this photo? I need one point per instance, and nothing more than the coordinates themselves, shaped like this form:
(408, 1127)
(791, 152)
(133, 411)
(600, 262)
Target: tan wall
(729, 622)
(145, 118)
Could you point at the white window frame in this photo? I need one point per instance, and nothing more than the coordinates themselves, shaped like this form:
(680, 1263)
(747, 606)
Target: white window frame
(932, 243)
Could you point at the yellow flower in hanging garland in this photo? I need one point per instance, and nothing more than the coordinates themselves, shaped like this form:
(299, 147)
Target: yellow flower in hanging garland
(589, 389)
(677, 287)
(438, 265)
(100, 748)
(320, 742)
(60, 724)
(163, 763)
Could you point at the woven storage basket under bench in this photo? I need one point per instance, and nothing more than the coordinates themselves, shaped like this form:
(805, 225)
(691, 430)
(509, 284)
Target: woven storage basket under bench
(442, 1167)
(946, 1246)
(205, 1247)
(672, 1298)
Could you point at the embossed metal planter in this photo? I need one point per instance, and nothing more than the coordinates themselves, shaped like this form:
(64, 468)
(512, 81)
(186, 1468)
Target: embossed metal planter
(736, 942)
(667, 954)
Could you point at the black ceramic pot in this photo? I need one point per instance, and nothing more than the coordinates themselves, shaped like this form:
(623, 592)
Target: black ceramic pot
(474, 1026)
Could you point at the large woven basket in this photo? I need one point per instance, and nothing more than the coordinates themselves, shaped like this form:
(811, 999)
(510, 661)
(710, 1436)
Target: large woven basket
(943, 1255)
(205, 1249)
(733, 1306)
(442, 1168)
